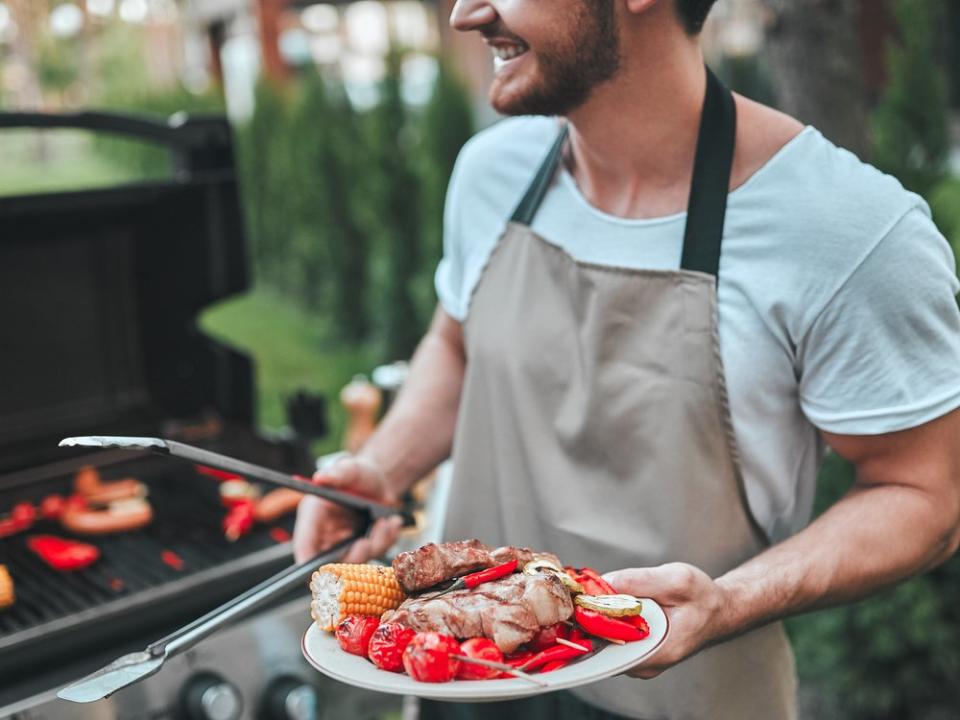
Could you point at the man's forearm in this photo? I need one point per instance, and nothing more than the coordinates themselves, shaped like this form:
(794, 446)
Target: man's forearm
(875, 536)
(417, 433)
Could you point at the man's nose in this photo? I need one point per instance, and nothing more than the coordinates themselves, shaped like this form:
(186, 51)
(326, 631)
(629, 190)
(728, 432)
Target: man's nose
(472, 14)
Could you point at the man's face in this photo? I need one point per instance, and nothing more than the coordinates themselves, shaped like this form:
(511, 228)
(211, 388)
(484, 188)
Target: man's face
(548, 54)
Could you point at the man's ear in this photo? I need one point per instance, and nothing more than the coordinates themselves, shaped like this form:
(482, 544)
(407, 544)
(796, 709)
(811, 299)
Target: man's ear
(640, 6)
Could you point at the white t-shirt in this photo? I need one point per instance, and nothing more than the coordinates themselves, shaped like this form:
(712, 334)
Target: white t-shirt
(836, 293)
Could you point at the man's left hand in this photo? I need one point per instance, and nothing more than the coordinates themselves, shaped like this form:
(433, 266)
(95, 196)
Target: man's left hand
(695, 604)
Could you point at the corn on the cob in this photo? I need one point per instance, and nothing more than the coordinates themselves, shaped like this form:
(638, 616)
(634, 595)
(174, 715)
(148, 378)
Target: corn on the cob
(7, 597)
(342, 589)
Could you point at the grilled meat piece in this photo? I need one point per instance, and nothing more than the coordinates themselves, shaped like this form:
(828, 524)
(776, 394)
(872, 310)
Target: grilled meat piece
(509, 611)
(432, 564)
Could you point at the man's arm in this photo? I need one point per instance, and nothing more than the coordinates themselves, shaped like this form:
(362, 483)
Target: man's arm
(901, 517)
(415, 436)
(417, 433)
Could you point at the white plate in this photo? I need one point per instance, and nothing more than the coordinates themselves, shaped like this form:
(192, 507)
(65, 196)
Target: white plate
(322, 651)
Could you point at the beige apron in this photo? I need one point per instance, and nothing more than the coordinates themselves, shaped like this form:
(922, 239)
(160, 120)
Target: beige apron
(594, 423)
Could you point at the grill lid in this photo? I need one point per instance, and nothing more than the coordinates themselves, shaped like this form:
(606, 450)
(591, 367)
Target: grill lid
(100, 290)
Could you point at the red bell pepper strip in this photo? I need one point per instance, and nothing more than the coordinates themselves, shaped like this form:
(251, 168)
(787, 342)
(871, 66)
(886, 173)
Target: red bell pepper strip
(607, 627)
(468, 582)
(592, 582)
(555, 665)
(62, 554)
(557, 652)
(494, 573)
(639, 623)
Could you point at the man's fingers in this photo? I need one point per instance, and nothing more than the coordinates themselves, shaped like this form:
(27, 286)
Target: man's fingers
(665, 584)
(384, 534)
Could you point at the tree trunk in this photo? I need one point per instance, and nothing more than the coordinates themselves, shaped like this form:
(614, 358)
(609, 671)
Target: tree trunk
(813, 47)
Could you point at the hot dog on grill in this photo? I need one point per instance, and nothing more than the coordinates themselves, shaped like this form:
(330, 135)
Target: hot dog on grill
(119, 516)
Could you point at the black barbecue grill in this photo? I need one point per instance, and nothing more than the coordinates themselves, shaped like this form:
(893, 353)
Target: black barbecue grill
(99, 295)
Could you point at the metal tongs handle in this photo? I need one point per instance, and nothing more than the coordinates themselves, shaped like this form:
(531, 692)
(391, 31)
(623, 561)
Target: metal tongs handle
(273, 587)
(134, 667)
(240, 467)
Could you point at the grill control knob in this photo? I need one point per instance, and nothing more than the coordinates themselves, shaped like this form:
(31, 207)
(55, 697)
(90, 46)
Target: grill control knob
(290, 698)
(210, 697)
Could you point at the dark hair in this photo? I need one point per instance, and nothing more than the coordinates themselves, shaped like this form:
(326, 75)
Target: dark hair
(693, 13)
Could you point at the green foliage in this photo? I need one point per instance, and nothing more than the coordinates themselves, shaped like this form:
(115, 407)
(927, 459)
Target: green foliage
(330, 239)
(395, 189)
(345, 208)
(945, 202)
(292, 351)
(910, 124)
(268, 183)
(57, 67)
(894, 656)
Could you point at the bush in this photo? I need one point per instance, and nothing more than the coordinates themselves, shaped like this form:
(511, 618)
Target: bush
(910, 125)
(345, 208)
(894, 656)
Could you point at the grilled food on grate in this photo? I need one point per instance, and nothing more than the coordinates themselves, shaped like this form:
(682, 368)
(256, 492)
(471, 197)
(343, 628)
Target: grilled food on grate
(7, 597)
(432, 564)
(341, 589)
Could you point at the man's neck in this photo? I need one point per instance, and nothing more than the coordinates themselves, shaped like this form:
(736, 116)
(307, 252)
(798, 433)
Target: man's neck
(633, 142)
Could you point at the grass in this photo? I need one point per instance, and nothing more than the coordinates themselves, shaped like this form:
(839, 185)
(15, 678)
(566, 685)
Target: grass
(291, 352)
(45, 162)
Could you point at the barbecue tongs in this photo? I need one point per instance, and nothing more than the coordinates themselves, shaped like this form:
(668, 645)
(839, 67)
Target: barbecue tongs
(134, 667)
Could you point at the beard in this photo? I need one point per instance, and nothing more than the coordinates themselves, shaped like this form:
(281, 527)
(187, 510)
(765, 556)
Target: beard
(568, 70)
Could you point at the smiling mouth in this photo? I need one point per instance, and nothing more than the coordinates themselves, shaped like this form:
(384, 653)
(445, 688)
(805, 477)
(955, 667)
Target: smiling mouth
(504, 51)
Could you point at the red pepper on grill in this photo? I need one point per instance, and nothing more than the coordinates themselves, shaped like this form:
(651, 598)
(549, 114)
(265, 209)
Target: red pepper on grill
(238, 520)
(468, 582)
(279, 535)
(170, 558)
(52, 507)
(63, 554)
(607, 627)
(216, 473)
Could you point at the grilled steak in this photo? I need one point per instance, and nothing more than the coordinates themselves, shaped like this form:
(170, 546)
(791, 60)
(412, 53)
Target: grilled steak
(509, 611)
(432, 564)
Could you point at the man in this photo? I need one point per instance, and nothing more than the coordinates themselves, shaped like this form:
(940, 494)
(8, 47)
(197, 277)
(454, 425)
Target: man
(617, 390)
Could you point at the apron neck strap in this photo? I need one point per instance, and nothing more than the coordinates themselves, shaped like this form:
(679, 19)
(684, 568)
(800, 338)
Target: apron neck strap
(707, 205)
(537, 190)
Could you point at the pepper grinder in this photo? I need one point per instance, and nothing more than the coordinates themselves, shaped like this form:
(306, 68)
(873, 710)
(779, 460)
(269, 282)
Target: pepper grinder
(361, 399)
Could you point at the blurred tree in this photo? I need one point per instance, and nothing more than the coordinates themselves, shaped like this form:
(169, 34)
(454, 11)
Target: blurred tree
(446, 124)
(267, 173)
(331, 240)
(396, 194)
(911, 134)
(814, 52)
(57, 69)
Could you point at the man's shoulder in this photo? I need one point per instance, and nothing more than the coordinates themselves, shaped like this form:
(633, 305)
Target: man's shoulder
(510, 150)
(830, 193)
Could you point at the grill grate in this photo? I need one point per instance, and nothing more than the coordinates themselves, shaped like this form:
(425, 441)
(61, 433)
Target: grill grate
(187, 517)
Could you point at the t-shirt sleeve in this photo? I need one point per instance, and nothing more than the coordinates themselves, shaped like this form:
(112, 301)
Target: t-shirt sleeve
(449, 278)
(884, 353)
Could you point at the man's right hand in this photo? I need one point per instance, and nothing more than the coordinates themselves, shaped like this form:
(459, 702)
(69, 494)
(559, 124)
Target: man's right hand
(322, 524)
